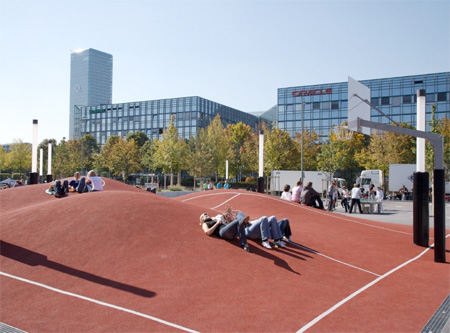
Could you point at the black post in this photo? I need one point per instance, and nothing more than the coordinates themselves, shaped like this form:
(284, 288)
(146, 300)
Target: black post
(420, 209)
(49, 178)
(260, 187)
(34, 178)
(439, 215)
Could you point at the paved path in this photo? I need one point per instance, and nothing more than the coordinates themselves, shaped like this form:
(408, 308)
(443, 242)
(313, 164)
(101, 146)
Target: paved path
(396, 211)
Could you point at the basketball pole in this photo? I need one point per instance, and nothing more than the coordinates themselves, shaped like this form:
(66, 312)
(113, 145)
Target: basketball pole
(437, 141)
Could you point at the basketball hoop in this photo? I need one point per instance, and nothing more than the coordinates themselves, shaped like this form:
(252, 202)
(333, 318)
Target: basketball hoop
(342, 133)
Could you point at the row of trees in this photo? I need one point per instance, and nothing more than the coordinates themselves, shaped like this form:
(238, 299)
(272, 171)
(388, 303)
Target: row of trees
(205, 154)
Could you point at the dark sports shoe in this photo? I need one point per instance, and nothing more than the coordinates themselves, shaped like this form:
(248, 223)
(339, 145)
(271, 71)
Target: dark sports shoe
(82, 185)
(66, 186)
(246, 247)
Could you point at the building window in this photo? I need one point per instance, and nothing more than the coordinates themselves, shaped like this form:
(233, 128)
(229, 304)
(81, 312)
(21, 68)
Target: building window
(407, 99)
(334, 105)
(396, 101)
(430, 97)
(384, 100)
(442, 97)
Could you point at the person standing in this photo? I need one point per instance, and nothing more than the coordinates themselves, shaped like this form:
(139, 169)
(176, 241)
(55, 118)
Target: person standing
(356, 195)
(345, 198)
(332, 192)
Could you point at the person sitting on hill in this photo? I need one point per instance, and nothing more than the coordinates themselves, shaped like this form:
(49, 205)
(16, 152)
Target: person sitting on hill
(221, 227)
(91, 183)
(310, 196)
(297, 191)
(73, 184)
(286, 195)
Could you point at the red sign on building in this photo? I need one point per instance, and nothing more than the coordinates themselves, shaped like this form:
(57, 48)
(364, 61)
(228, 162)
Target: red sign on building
(311, 92)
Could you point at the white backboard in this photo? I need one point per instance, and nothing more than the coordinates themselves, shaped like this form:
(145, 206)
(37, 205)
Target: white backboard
(357, 108)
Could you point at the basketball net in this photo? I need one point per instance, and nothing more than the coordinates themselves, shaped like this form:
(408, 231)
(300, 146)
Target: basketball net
(342, 133)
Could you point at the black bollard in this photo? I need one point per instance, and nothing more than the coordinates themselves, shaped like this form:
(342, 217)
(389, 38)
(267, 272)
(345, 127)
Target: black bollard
(420, 209)
(260, 188)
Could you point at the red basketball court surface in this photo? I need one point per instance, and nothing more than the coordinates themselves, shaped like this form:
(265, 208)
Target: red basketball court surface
(127, 260)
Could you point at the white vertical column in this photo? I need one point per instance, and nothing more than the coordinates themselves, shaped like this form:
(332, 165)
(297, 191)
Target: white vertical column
(34, 147)
(420, 142)
(226, 169)
(41, 162)
(49, 160)
(261, 154)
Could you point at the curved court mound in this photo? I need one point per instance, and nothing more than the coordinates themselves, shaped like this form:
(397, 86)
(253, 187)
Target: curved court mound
(128, 260)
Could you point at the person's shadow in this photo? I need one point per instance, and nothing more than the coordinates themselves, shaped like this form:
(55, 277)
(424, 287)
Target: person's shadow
(31, 258)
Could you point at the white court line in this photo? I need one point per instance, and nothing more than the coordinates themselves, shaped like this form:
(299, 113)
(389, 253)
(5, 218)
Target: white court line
(359, 291)
(98, 302)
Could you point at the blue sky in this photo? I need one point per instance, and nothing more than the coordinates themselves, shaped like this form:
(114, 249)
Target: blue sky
(237, 53)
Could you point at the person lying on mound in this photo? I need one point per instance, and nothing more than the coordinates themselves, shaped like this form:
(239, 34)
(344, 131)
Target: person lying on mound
(223, 227)
(267, 228)
(263, 228)
(91, 183)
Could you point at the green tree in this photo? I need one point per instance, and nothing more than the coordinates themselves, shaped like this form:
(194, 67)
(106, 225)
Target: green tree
(3, 156)
(170, 152)
(311, 148)
(237, 134)
(89, 147)
(19, 158)
(330, 158)
(201, 160)
(280, 151)
(218, 144)
(123, 157)
(60, 167)
(139, 137)
(147, 151)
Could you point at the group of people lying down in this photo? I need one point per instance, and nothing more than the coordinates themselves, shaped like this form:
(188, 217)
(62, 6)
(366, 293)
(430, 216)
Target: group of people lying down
(232, 224)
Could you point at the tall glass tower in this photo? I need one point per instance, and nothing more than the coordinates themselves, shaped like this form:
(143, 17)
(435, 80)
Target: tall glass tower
(90, 84)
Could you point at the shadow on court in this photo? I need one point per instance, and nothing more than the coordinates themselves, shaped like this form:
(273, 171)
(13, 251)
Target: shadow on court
(31, 258)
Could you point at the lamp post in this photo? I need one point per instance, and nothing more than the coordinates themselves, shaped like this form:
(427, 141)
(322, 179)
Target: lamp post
(33, 174)
(301, 143)
(260, 184)
(84, 119)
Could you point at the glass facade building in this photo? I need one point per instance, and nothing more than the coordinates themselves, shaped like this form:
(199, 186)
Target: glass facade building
(90, 84)
(326, 105)
(152, 117)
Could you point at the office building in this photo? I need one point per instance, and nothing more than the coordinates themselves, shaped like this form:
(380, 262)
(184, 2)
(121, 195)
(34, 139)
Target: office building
(90, 84)
(152, 117)
(326, 105)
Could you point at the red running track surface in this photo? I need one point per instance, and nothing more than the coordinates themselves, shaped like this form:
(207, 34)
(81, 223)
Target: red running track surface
(131, 261)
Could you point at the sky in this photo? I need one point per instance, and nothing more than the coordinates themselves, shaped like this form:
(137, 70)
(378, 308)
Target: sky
(234, 52)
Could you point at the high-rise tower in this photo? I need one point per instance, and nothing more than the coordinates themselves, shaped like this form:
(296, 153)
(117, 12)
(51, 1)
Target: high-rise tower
(90, 84)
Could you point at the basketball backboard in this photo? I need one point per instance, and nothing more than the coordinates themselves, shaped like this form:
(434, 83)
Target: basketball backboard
(357, 108)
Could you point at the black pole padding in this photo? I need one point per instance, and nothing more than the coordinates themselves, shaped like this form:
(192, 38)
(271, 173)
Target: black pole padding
(49, 178)
(420, 209)
(34, 178)
(260, 187)
(439, 215)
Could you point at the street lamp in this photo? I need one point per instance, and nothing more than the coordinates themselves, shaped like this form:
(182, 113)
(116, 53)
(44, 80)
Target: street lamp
(84, 119)
(301, 143)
